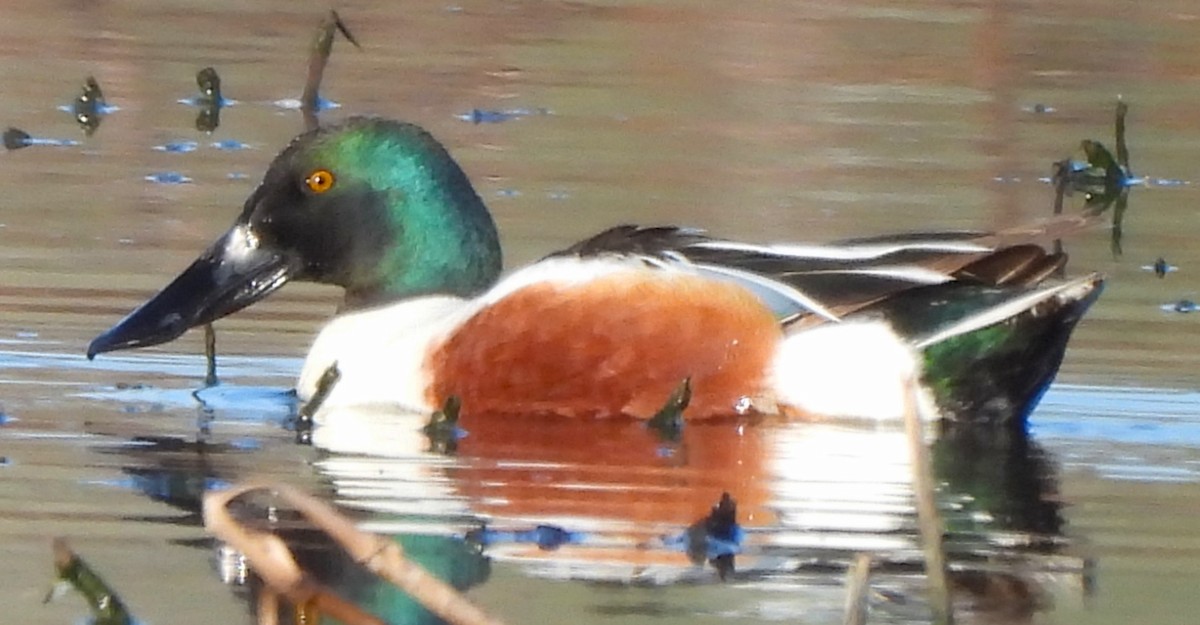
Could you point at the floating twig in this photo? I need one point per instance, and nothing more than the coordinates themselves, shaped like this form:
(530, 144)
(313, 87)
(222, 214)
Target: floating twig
(270, 557)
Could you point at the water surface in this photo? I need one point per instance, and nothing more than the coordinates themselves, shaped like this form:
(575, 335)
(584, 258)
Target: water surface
(776, 121)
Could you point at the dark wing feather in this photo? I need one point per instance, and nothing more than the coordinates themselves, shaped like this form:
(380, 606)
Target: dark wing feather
(630, 240)
(839, 278)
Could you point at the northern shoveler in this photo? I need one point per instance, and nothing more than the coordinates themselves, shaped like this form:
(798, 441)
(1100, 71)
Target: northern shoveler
(611, 325)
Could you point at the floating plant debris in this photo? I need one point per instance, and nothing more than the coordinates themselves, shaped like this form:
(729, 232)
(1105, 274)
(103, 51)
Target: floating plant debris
(209, 101)
(210, 85)
(1102, 178)
(442, 428)
(230, 145)
(716, 538)
(177, 147)
(168, 177)
(208, 118)
(1039, 108)
(486, 116)
(546, 537)
(15, 139)
(210, 91)
(1161, 267)
(73, 572)
(89, 108)
(282, 576)
(668, 421)
(294, 104)
(1181, 306)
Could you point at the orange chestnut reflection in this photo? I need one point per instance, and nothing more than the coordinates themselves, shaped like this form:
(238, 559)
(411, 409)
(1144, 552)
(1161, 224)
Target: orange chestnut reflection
(616, 470)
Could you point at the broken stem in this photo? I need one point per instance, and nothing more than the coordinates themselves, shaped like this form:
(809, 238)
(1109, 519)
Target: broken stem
(318, 58)
(210, 355)
(325, 386)
(1122, 148)
(858, 578)
(384, 557)
(928, 519)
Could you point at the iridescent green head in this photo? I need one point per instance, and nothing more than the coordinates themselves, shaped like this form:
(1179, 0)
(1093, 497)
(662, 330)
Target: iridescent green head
(372, 205)
(378, 207)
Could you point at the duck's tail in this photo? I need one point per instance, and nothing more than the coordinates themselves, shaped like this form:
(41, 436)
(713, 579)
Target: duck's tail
(989, 354)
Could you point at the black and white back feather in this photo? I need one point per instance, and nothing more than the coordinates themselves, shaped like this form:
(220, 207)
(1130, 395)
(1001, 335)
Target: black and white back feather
(810, 283)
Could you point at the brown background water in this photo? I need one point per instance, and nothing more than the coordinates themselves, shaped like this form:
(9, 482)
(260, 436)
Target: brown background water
(764, 121)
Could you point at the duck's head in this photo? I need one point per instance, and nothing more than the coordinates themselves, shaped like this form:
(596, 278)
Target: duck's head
(375, 206)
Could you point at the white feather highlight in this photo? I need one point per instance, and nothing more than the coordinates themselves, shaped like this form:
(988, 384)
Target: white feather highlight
(906, 273)
(569, 271)
(856, 251)
(1077, 288)
(854, 369)
(777, 295)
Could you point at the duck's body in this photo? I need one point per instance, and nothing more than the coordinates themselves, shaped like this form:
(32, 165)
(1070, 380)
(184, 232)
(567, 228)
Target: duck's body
(611, 325)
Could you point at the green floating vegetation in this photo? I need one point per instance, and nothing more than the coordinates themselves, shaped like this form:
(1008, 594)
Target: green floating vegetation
(1102, 178)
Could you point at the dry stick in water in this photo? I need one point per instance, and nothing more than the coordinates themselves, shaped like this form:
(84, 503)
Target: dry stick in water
(857, 584)
(383, 557)
(210, 355)
(318, 57)
(274, 563)
(927, 515)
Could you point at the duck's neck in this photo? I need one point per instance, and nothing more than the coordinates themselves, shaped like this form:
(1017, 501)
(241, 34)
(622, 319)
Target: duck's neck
(443, 240)
(439, 253)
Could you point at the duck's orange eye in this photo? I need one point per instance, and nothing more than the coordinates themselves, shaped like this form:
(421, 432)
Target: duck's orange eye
(320, 180)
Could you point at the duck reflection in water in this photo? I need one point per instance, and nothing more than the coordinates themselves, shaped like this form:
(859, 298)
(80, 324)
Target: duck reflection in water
(809, 496)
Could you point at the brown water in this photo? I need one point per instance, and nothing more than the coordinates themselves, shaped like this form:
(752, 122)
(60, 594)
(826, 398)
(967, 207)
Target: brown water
(764, 121)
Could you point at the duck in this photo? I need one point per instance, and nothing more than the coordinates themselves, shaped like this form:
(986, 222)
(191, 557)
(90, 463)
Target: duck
(971, 324)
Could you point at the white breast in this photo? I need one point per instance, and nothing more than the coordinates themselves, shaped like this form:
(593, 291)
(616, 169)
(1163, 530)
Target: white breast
(380, 352)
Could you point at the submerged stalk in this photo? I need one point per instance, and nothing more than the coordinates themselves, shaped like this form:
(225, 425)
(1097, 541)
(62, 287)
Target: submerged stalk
(928, 519)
